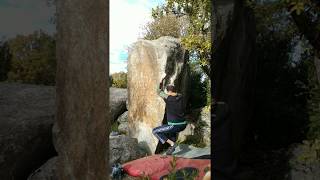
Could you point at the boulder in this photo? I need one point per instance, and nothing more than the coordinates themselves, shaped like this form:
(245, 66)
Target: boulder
(26, 119)
(205, 119)
(123, 118)
(189, 151)
(123, 149)
(305, 161)
(27, 114)
(118, 98)
(123, 128)
(189, 131)
(47, 171)
(123, 123)
(148, 63)
(198, 128)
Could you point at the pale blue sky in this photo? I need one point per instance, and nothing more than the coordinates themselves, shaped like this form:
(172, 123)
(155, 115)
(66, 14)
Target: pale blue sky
(127, 18)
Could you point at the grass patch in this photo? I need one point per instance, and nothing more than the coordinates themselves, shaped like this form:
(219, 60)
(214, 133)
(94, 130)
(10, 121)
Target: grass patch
(195, 140)
(114, 127)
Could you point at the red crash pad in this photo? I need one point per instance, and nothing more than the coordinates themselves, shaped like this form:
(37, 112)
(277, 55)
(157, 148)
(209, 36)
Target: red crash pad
(157, 166)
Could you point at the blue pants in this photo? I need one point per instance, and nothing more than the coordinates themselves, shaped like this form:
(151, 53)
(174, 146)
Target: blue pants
(165, 132)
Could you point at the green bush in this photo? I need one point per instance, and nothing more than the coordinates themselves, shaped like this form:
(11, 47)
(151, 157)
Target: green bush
(33, 59)
(199, 87)
(173, 172)
(208, 92)
(309, 153)
(114, 127)
(313, 103)
(119, 80)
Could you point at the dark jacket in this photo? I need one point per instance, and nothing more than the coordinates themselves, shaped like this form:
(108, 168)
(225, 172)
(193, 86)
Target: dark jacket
(174, 107)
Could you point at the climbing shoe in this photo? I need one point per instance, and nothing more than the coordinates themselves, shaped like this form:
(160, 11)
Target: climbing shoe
(171, 149)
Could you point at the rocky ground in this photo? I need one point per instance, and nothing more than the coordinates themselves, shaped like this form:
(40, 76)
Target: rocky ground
(26, 118)
(27, 114)
(262, 164)
(118, 98)
(300, 161)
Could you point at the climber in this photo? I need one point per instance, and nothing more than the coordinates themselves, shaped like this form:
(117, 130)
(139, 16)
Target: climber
(167, 133)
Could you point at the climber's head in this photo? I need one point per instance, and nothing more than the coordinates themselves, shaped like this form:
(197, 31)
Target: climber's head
(171, 88)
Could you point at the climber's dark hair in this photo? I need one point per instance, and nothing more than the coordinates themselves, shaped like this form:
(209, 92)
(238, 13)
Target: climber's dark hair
(171, 88)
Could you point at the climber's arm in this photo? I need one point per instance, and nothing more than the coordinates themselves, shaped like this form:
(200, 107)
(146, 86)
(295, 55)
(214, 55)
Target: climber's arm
(162, 94)
(160, 90)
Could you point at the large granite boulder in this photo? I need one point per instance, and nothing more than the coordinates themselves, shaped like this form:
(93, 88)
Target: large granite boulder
(26, 119)
(118, 98)
(47, 171)
(123, 149)
(148, 63)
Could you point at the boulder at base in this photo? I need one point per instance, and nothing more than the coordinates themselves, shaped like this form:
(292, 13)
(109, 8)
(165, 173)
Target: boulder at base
(118, 98)
(47, 171)
(123, 123)
(26, 119)
(305, 161)
(148, 63)
(198, 128)
(123, 149)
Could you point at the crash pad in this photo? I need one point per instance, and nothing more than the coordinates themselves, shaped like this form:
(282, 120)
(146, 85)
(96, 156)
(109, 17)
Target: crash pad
(189, 151)
(158, 166)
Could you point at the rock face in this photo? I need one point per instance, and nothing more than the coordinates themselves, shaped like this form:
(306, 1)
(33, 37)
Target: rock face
(189, 131)
(123, 123)
(304, 162)
(81, 133)
(47, 171)
(26, 119)
(206, 125)
(123, 149)
(148, 63)
(118, 98)
(199, 127)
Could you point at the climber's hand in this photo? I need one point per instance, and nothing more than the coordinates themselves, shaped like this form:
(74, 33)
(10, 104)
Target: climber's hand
(161, 83)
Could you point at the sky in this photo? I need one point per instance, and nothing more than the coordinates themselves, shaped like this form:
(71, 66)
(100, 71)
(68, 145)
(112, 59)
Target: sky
(24, 17)
(127, 18)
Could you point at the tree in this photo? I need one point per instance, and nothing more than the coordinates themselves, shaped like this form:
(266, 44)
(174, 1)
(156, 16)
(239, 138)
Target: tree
(82, 121)
(302, 21)
(306, 16)
(5, 57)
(168, 25)
(197, 87)
(119, 80)
(33, 58)
(197, 35)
